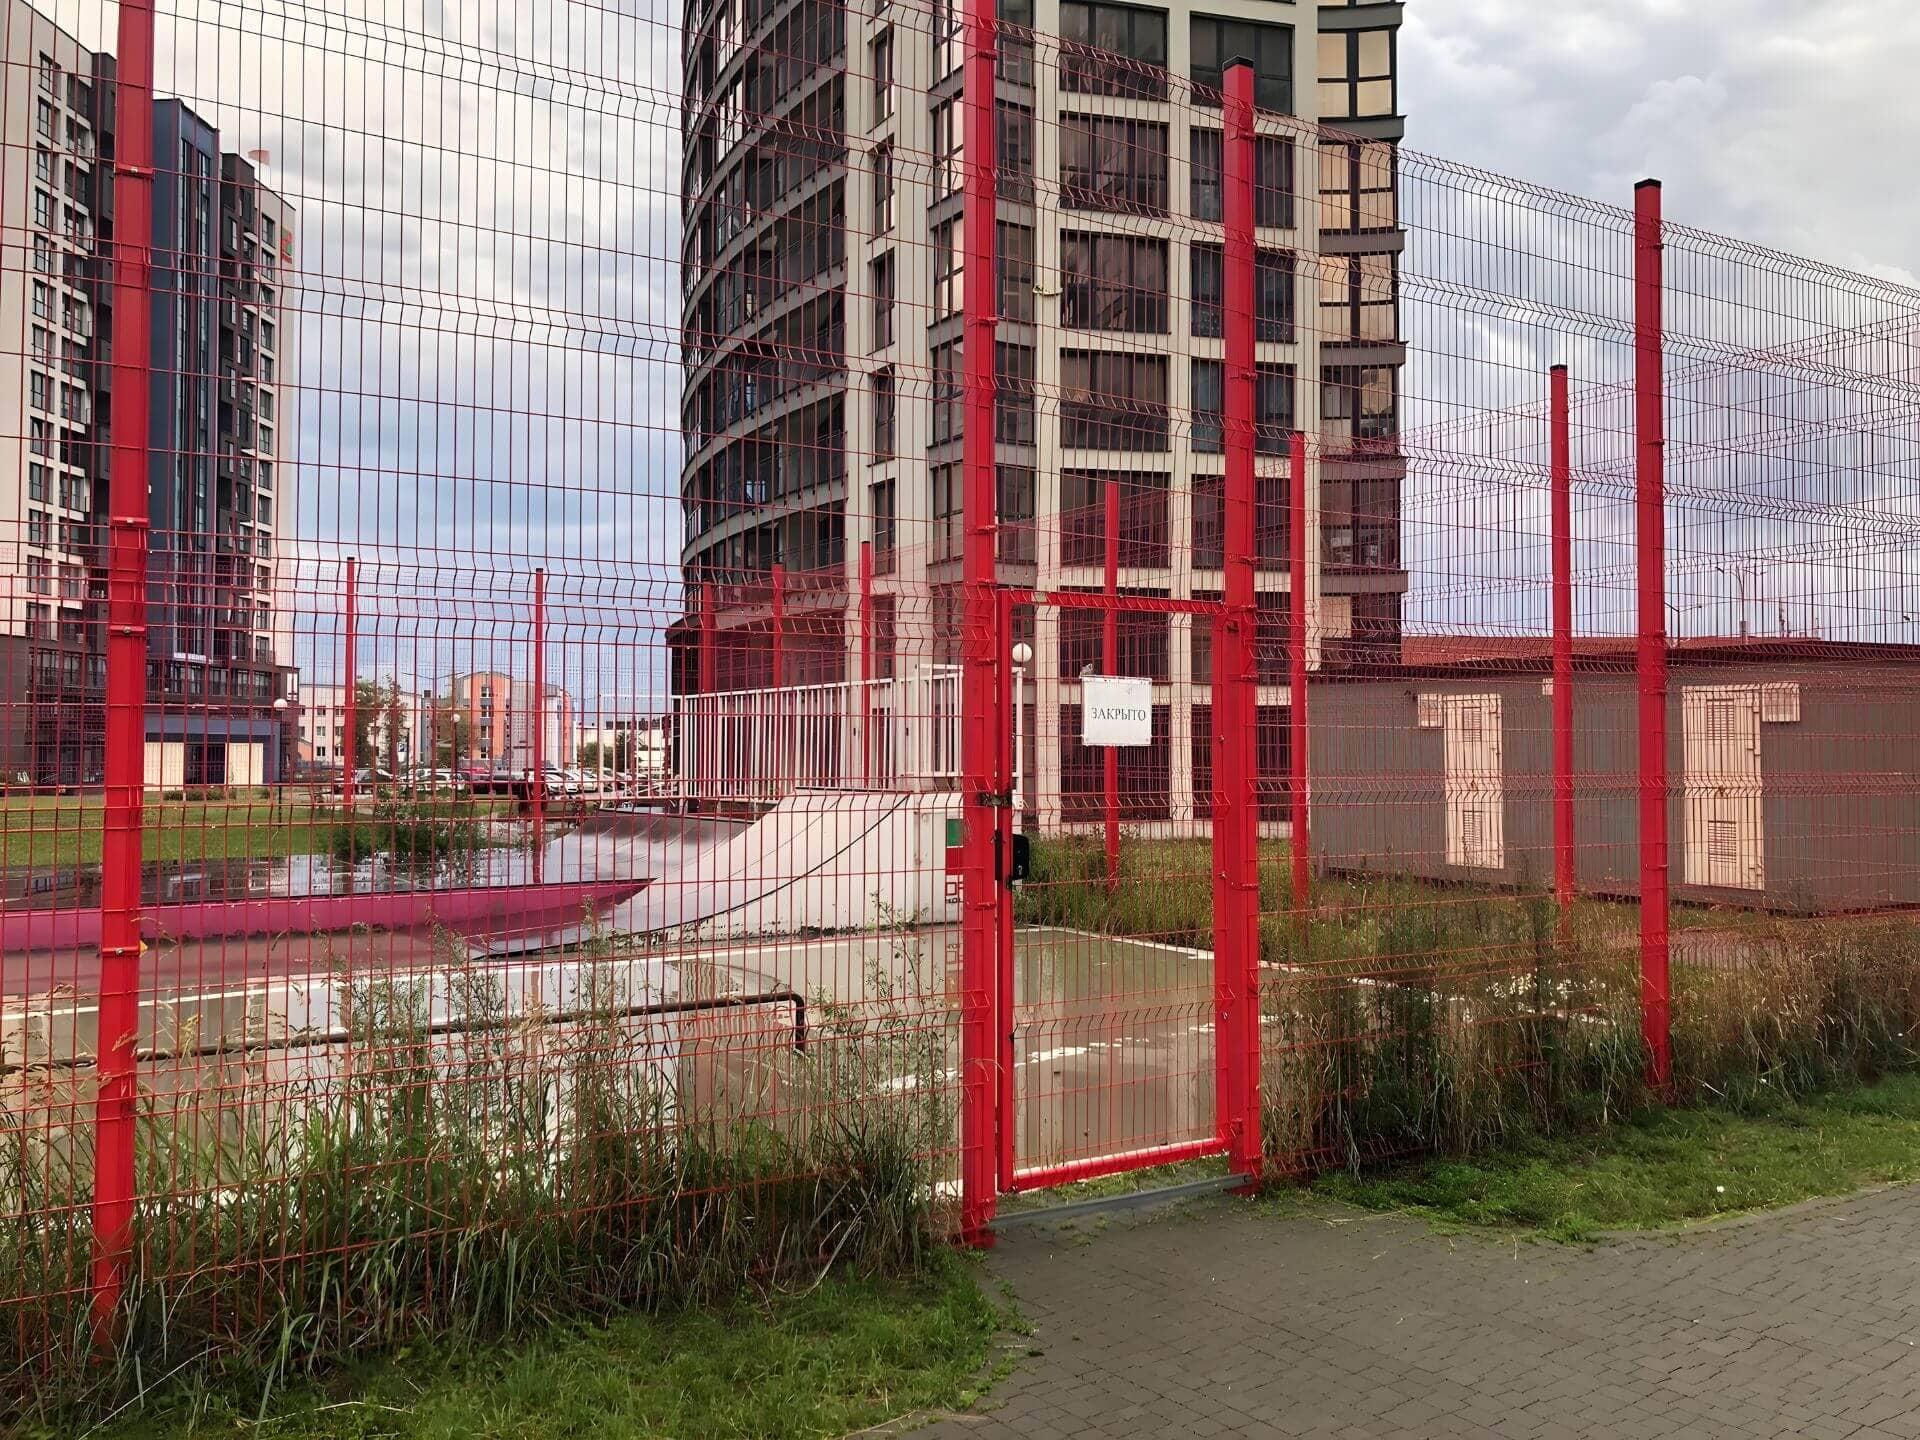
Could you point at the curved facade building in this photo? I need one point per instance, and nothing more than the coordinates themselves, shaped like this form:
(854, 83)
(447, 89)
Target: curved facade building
(822, 342)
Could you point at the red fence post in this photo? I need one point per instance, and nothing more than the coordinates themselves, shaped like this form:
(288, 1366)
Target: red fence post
(706, 738)
(537, 786)
(1561, 465)
(779, 626)
(777, 761)
(1299, 842)
(1236, 807)
(1651, 526)
(123, 816)
(980, 746)
(866, 661)
(1110, 664)
(350, 670)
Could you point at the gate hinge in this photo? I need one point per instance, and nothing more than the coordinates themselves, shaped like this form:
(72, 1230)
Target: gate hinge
(995, 799)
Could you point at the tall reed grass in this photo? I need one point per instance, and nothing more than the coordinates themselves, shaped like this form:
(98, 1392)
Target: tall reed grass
(1402, 1017)
(295, 1213)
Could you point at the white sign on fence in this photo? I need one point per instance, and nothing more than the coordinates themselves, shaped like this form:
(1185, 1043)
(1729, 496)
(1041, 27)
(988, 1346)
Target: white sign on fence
(1115, 710)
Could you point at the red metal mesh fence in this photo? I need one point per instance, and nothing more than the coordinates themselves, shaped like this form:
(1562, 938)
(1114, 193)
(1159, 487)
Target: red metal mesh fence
(526, 811)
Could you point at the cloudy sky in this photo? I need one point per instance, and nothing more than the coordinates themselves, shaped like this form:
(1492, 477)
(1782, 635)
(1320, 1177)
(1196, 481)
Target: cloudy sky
(488, 234)
(1769, 119)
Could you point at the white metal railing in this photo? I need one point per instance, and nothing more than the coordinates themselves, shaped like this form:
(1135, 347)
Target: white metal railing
(757, 746)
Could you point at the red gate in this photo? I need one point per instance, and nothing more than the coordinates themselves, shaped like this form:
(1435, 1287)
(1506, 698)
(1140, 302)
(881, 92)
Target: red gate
(1097, 1053)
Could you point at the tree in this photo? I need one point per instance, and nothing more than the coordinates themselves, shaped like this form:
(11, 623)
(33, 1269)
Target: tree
(367, 700)
(452, 738)
(379, 720)
(393, 718)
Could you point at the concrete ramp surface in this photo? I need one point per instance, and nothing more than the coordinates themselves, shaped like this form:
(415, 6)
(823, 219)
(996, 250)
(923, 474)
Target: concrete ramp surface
(819, 861)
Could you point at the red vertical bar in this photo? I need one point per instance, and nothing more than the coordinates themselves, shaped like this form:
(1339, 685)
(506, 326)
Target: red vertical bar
(537, 787)
(1561, 464)
(782, 736)
(1299, 845)
(1110, 664)
(126, 644)
(1236, 814)
(350, 671)
(707, 621)
(1005, 980)
(704, 744)
(980, 745)
(866, 660)
(1649, 388)
(779, 626)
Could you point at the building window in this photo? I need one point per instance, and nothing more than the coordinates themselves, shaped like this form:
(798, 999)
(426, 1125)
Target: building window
(1356, 74)
(39, 575)
(42, 342)
(949, 149)
(1357, 186)
(947, 399)
(882, 270)
(1113, 401)
(1108, 164)
(1015, 129)
(884, 503)
(1357, 406)
(43, 120)
(948, 27)
(40, 390)
(1362, 305)
(884, 417)
(1269, 47)
(949, 269)
(1207, 407)
(1273, 288)
(43, 254)
(39, 528)
(76, 492)
(883, 188)
(49, 75)
(1113, 50)
(40, 437)
(43, 165)
(1272, 179)
(1013, 415)
(1142, 501)
(1273, 408)
(43, 209)
(1013, 256)
(1015, 516)
(949, 499)
(882, 54)
(1113, 282)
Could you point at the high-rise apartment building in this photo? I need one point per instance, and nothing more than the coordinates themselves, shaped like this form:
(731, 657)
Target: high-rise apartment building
(823, 282)
(218, 637)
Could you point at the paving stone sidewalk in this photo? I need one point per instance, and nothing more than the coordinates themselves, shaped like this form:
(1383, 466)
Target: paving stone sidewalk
(1215, 1319)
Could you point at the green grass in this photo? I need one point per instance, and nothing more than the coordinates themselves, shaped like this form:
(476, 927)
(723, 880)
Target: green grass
(1664, 1168)
(49, 832)
(840, 1356)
